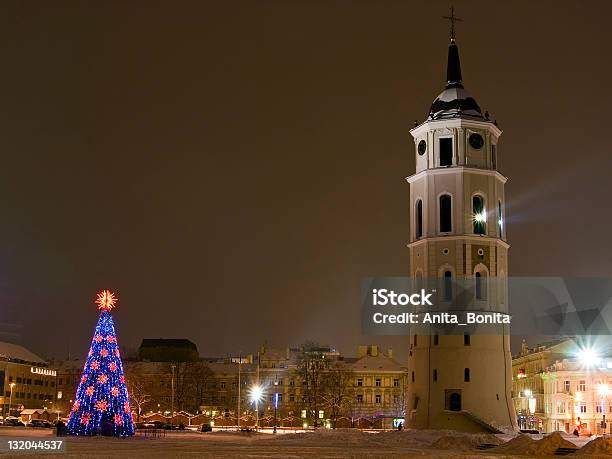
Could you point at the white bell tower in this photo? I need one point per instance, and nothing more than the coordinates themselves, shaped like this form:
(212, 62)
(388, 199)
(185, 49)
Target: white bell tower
(458, 232)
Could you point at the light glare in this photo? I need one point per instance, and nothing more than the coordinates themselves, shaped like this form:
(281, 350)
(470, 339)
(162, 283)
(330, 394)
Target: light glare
(480, 217)
(588, 358)
(256, 393)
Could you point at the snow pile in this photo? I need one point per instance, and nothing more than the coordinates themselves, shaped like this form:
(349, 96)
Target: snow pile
(324, 437)
(524, 445)
(411, 438)
(439, 439)
(464, 442)
(599, 446)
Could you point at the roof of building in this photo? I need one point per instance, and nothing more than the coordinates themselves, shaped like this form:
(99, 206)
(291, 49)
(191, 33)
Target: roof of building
(454, 101)
(28, 411)
(378, 362)
(172, 342)
(12, 351)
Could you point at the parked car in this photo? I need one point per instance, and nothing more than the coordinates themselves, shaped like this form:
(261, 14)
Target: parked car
(13, 422)
(157, 424)
(40, 423)
(174, 427)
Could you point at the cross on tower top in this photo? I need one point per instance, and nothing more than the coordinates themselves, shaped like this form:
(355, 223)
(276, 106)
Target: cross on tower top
(452, 18)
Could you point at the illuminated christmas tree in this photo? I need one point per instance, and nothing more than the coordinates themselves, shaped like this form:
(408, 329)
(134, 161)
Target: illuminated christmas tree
(101, 405)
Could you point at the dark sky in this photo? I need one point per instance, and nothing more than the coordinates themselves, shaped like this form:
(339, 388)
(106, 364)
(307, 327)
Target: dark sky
(233, 169)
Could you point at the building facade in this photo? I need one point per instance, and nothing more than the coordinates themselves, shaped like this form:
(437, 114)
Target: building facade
(26, 380)
(458, 234)
(381, 386)
(564, 385)
(368, 390)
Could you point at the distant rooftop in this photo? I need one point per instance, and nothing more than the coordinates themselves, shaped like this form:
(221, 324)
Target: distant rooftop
(16, 353)
(168, 350)
(172, 342)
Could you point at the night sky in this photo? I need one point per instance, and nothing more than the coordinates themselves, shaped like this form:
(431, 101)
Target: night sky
(233, 169)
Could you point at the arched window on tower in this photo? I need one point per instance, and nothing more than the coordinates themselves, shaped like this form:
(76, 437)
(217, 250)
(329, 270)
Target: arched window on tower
(493, 156)
(480, 284)
(446, 151)
(448, 286)
(479, 215)
(419, 219)
(418, 278)
(446, 210)
(500, 220)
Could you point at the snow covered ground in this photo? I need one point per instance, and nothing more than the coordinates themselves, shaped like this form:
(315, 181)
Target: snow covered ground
(321, 444)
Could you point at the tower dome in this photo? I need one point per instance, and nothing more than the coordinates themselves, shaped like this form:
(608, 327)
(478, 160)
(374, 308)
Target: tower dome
(454, 101)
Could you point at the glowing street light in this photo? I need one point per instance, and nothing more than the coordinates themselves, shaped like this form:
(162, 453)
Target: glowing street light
(588, 358)
(256, 394)
(527, 392)
(603, 390)
(11, 398)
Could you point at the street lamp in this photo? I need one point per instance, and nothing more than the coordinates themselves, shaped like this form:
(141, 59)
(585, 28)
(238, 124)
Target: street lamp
(527, 393)
(256, 394)
(275, 403)
(588, 357)
(11, 398)
(603, 390)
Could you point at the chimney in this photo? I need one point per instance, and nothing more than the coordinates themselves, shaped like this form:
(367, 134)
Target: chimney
(362, 351)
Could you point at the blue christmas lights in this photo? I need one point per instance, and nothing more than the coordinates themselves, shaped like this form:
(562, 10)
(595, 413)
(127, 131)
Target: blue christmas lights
(102, 405)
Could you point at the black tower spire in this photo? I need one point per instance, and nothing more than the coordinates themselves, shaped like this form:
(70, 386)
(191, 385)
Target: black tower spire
(453, 69)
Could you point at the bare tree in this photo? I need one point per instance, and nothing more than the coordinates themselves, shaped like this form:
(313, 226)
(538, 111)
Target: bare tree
(201, 375)
(311, 366)
(183, 384)
(338, 391)
(137, 391)
(400, 398)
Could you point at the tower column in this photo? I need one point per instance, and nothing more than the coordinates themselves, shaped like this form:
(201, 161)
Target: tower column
(459, 382)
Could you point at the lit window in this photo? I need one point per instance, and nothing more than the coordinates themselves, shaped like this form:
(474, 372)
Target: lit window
(500, 220)
(479, 214)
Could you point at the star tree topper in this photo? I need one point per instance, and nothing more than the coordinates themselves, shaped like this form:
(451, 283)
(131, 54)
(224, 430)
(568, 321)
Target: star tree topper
(106, 300)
